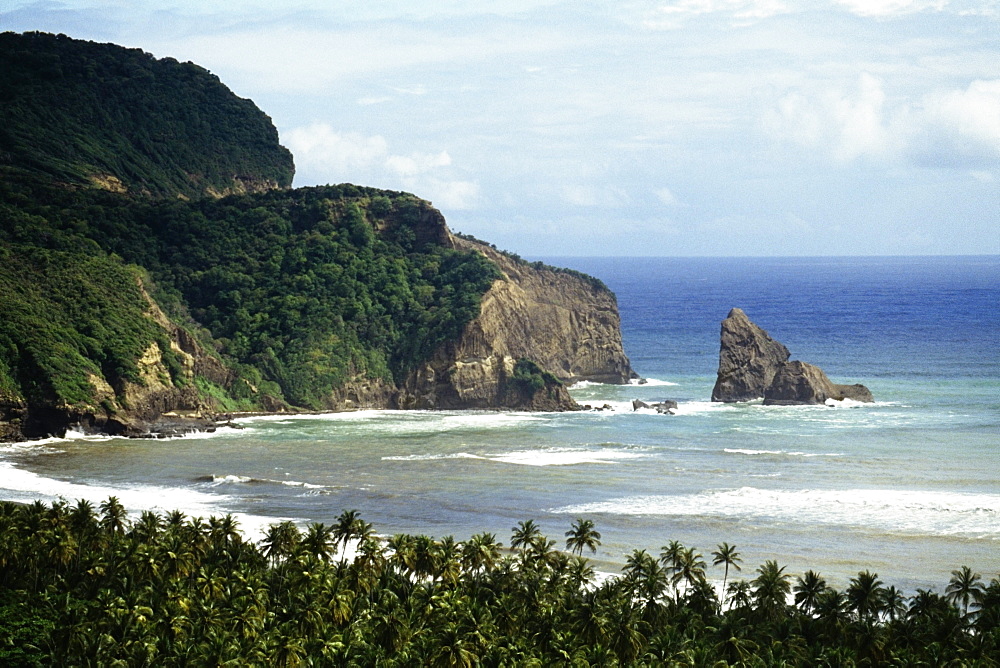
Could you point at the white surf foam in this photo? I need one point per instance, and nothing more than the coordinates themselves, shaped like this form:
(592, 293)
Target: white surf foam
(779, 453)
(231, 479)
(909, 512)
(563, 457)
(428, 458)
(651, 382)
(542, 457)
(20, 485)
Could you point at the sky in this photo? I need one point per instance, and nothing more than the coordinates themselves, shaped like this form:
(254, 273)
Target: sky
(629, 127)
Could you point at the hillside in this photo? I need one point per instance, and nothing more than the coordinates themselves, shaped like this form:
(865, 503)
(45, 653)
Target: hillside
(100, 115)
(120, 304)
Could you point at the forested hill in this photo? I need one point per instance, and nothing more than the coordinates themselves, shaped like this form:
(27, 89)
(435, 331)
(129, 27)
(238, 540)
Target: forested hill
(153, 260)
(104, 116)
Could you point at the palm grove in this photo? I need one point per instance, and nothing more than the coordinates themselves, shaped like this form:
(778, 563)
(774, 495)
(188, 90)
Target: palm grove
(81, 585)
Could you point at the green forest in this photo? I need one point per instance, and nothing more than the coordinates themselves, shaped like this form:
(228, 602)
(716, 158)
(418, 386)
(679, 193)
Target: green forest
(78, 112)
(126, 178)
(300, 289)
(86, 586)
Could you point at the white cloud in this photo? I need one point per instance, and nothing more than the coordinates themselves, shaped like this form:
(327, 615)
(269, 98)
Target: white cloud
(845, 125)
(323, 155)
(417, 163)
(670, 15)
(941, 128)
(318, 146)
(890, 7)
(666, 197)
(462, 195)
(970, 116)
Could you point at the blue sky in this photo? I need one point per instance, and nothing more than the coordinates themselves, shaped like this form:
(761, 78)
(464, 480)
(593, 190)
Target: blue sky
(638, 127)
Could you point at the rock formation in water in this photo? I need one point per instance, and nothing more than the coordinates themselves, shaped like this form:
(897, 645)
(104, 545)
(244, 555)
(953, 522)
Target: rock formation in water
(752, 365)
(666, 407)
(801, 383)
(748, 360)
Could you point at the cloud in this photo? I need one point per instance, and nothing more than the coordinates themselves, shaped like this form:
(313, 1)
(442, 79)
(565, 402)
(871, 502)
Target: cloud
(845, 125)
(966, 121)
(890, 7)
(666, 197)
(670, 15)
(957, 127)
(323, 155)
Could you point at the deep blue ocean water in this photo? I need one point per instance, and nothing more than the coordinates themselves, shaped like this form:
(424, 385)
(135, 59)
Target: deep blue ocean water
(908, 487)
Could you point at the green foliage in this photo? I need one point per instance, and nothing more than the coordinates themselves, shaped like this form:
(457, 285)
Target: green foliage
(65, 317)
(529, 378)
(86, 586)
(308, 287)
(24, 632)
(593, 281)
(79, 112)
(298, 291)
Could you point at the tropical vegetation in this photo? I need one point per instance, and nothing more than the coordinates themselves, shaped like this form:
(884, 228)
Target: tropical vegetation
(88, 586)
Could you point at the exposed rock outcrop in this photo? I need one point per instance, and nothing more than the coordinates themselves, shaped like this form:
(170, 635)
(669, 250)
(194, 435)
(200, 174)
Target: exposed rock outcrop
(748, 360)
(802, 383)
(567, 325)
(752, 365)
(667, 406)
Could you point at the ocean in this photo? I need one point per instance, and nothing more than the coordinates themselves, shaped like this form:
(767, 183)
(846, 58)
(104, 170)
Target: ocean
(907, 487)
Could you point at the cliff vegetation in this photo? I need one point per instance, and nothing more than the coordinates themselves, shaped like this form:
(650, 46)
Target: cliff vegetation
(155, 260)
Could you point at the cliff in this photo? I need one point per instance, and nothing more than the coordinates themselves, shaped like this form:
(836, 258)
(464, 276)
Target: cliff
(566, 324)
(133, 295)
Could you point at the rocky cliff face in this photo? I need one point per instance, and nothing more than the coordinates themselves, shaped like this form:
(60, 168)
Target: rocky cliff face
(753, 365)
(152, 404)
(565, 324)
(748, 360)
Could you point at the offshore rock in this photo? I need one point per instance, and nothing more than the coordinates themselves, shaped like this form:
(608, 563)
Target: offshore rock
(753, 365)
(666, 407)
(748, 360)
(798, 383)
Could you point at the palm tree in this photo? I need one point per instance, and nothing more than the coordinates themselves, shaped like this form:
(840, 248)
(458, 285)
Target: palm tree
(728, 556)
(964, 586)
(349, 525)
(319, 542)
(280, 540)
(582, 534)
(770, 589)
(480, 553)
(114, 515)
(524, 534)
(690, 568)
(865, 596)
(807, 589)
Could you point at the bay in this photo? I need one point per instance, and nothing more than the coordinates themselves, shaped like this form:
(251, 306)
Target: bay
(908, 487)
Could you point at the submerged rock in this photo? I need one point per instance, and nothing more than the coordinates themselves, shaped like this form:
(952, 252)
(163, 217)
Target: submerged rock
(748, 360)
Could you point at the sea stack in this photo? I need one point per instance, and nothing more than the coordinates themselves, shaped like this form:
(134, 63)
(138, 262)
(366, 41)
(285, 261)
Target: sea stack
(800, 383)
(752, 365)
(748, 360)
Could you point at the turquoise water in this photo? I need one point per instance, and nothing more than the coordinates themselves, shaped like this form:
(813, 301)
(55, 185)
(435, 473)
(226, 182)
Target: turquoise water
(908, 487)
